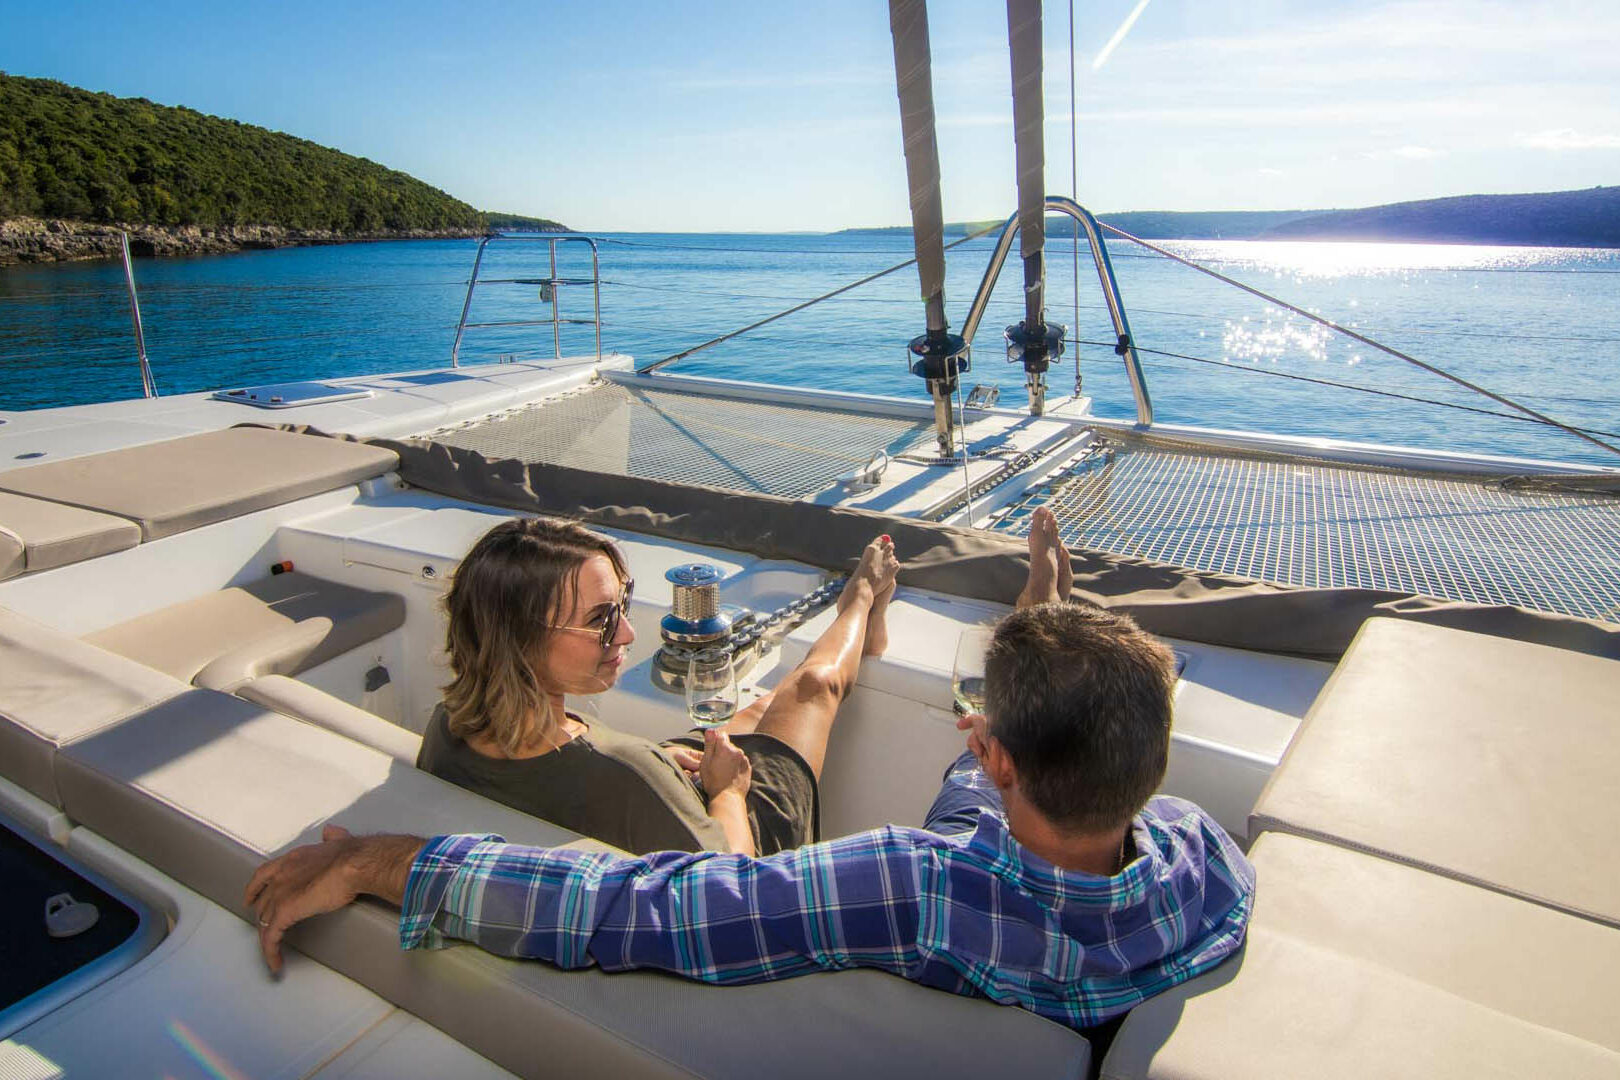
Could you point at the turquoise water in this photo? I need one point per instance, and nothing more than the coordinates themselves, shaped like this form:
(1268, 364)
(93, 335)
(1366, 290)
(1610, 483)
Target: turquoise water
(1538, 324)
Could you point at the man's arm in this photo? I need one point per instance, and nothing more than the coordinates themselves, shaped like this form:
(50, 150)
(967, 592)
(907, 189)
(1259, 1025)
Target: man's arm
(318, 878)
(716, 917)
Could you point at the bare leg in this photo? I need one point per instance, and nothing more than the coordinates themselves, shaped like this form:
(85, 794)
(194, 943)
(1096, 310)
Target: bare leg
(1050, 575)
(802, 709)
(747, 720)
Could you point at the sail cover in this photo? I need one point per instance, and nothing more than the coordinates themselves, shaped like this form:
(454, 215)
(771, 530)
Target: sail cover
(913, 73)
(1024, 37)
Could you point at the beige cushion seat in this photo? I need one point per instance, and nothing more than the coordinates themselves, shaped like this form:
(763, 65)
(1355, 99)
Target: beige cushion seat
(178, 484)
(284, 624)
(206, 785)
(55, 688)
(1359, 967)
(289, 697)
(1489, 760)
(39, 535)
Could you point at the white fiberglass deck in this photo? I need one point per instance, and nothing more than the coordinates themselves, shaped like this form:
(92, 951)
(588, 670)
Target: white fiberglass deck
(1321, 525)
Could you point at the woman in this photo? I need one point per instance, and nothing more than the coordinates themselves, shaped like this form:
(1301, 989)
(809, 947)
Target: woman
(536, 612)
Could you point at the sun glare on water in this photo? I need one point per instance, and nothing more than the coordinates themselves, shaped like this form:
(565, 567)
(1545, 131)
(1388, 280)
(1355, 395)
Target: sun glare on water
(1328, 259)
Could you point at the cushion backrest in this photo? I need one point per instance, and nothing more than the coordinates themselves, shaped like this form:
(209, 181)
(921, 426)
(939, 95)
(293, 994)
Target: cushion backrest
(54, 689)
(206, 785)
(304, 702)
(281, 624)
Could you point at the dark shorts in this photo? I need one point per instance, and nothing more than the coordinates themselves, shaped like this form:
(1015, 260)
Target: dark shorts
(784, 803)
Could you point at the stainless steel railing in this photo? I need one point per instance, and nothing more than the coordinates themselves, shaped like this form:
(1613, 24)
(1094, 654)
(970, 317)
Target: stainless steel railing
(1126, 347)
(148, 384)
(548, 290)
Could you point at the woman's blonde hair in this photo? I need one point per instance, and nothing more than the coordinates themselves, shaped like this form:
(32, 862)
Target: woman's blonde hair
(513, 586)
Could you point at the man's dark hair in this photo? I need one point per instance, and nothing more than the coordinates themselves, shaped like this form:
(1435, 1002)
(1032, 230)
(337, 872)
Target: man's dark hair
(1080, 697)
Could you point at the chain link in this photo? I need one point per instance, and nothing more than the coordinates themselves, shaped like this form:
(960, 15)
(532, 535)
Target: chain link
(754, 626)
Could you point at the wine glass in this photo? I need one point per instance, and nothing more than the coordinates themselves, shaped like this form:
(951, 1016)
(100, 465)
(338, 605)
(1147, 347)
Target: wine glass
(711, 689)
(967, 677)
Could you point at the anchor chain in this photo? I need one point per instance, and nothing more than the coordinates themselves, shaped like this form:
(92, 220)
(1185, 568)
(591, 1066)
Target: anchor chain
(752, 627)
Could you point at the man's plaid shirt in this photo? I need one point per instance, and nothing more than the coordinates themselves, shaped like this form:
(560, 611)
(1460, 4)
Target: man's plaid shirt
(973, 913)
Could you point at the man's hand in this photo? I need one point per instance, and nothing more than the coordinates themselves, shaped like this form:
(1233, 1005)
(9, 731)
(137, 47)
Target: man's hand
(724, 767)
(318, 878)
(974, 725)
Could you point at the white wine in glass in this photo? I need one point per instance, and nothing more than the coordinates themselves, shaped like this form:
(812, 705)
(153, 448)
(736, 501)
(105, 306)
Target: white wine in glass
(967, 677)
(711, 690)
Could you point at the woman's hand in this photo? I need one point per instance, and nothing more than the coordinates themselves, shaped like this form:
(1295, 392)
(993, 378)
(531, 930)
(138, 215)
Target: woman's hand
(724, 767)
(687, 758)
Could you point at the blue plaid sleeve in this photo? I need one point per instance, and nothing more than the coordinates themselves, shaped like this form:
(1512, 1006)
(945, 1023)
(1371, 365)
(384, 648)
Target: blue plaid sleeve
(716, 917)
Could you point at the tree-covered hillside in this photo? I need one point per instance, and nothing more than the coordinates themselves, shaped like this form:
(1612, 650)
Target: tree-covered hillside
(522, 222)
(69, 153)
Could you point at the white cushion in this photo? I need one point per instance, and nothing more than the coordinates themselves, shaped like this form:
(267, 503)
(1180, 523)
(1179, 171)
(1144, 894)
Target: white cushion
(1360, 967)
(1490, 760)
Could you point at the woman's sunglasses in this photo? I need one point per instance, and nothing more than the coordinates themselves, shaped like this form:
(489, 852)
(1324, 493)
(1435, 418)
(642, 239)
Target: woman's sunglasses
(610, 621)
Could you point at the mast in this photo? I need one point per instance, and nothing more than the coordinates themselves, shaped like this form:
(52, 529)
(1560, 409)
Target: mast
(938, 356)
(1032, 341)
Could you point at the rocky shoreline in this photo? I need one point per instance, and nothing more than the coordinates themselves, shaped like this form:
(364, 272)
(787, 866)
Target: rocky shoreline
(32, 240)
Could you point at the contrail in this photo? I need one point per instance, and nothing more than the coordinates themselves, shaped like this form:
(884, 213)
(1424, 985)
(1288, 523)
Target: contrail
(1119, 35)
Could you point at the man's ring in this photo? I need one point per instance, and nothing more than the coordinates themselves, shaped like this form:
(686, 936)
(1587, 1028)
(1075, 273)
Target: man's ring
(264, 923)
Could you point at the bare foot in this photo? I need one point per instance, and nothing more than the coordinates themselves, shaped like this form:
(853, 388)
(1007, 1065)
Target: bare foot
(873, 573)
(877, 620)
(1050, 575)
(872, 583)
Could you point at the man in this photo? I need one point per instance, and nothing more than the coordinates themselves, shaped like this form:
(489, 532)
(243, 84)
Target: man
(1047, 876)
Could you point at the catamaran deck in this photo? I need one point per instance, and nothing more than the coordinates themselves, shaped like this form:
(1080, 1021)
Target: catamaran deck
(1281, 518)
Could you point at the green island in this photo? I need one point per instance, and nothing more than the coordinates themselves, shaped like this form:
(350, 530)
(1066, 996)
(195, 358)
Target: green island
(77, 168)
(1586, 218)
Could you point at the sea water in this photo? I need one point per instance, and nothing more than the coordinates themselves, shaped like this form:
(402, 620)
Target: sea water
(1541, 325)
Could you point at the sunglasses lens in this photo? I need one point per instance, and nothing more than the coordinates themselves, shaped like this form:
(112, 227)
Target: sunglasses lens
(610, 624)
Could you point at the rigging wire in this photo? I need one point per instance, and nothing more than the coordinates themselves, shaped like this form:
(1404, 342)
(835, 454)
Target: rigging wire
(1340, 385)
(1074, 190)
(1206, 317)
(656, 364)
(1365, 340)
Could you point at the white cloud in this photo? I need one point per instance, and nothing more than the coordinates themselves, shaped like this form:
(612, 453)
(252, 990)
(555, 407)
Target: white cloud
(1569, 139)
(1416, 153)
(1269, 172)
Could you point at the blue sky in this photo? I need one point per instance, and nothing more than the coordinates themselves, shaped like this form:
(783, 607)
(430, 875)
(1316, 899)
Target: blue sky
(760, 116)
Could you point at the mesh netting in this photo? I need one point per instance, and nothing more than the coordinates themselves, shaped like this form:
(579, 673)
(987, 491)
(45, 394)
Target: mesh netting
(787, 450)
(1321, 525)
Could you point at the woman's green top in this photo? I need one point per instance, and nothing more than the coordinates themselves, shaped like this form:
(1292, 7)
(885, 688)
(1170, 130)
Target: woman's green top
(617, 788)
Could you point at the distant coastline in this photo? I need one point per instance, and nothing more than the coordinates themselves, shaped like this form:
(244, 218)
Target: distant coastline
(1585, 218)
(33, 240)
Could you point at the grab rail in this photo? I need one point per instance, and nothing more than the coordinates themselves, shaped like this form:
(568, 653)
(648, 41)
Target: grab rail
(1126, 345)
(548, 285)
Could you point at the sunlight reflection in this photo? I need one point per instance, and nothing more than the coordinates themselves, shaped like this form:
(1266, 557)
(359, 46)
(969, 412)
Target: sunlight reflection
(19, 1062)
(1273, 339)
(214, 1065)
(1318, 259)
